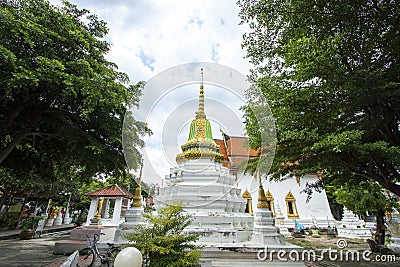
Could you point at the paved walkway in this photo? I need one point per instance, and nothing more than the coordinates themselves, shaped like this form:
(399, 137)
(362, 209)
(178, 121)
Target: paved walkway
(36, 252)
(10, 234)
(39, 252)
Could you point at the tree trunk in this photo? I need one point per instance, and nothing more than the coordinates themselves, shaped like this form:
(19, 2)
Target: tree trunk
(10, 146)
(380, 227)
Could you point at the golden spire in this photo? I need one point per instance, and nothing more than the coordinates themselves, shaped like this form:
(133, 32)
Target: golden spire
(200, 112)
(137, 197)
(200, 143)
(262, 200)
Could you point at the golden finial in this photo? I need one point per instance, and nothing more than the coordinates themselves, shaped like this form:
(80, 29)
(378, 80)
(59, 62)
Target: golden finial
(200, 112)
(201, 85)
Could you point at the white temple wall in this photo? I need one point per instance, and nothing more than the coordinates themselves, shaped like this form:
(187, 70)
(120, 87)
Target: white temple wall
(316, 210)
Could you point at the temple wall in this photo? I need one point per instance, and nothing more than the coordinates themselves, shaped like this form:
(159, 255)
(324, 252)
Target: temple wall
(317, 209)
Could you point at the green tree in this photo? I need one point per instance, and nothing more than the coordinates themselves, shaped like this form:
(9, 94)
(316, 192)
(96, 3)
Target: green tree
(164, 242)
(62, 103)
(365, 196)
(330, 72)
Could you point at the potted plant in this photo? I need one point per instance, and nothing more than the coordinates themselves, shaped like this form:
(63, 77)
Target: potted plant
(29, 226)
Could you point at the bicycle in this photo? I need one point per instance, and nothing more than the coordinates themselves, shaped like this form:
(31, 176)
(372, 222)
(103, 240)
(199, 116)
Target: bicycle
(88, 255)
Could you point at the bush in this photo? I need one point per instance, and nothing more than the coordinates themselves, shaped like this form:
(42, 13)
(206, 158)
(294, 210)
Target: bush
(30, 223)
(8, 220)
(163, 243)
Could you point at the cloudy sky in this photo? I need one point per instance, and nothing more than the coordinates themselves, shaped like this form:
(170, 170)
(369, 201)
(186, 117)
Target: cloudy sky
(148, 37)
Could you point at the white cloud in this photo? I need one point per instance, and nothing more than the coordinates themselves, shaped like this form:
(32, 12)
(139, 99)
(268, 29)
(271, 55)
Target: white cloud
(170, 32)
(149, 36)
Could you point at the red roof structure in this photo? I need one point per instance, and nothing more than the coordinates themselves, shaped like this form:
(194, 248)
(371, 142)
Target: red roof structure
(235, 151)
(110, 191)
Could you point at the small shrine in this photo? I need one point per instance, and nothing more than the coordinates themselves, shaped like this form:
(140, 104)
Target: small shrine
(351, 226)
(108, 206)
(106, 212)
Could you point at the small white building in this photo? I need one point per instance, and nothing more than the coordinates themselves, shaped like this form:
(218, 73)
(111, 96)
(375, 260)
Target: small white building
(108, 205)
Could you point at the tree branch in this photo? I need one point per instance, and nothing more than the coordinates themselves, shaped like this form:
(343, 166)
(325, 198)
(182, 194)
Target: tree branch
(13, 113)
(23, 133)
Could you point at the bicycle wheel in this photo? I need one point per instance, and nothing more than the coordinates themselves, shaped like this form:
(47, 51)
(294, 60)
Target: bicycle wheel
(111, 255)
(86, 257)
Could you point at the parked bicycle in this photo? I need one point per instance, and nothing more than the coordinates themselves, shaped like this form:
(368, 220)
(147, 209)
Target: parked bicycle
(88, 255)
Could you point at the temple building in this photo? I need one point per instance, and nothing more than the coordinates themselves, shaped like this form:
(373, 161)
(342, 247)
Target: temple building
(287, 193)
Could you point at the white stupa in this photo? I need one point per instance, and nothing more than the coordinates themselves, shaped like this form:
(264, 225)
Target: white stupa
(351, 226)
(280, 222)
(210, 194)
(394, 227)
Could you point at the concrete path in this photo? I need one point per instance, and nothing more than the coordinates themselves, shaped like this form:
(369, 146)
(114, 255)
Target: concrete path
(10, 234)
(33, 252)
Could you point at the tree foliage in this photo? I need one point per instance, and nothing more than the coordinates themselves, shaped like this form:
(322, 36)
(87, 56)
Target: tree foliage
(62, 102)
(164, 242)
(330, 73)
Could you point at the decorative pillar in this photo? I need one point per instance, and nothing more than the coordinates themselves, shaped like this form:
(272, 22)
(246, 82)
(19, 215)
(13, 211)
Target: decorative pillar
(117, 211)
(92, 209)
(105, 208)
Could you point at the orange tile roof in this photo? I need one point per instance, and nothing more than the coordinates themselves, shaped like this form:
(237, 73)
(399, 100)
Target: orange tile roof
(222, 148)
(110, 191)
(236, 150)
(237, 147)
(237, 161)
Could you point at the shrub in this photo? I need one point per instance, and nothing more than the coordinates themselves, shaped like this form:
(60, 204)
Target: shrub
(30, 223)
(8, 219)
(163, 243)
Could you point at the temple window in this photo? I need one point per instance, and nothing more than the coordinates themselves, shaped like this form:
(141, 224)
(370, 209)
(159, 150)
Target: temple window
(249, 206)
(270, 200)
(291, 206)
